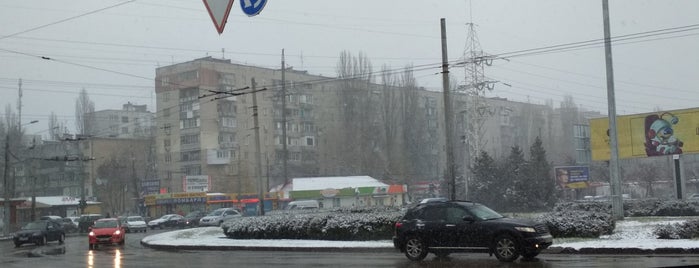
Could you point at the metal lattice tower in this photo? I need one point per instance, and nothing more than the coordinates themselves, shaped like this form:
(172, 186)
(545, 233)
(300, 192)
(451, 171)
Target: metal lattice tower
(472, 95)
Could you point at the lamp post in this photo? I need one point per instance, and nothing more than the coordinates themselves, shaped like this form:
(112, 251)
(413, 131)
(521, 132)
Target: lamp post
(6, 182)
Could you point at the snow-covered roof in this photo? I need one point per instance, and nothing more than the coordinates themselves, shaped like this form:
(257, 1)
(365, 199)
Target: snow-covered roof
(59, 200)
(322, 183)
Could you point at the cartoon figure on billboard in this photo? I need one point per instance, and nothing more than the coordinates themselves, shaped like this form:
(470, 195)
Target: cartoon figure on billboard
(660, 138)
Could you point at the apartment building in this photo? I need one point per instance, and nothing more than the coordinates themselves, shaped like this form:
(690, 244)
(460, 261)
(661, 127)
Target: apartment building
(205, 128)
(132, 121)
(206, 125)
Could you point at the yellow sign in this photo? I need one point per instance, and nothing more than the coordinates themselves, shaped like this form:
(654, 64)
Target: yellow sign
(649, 134)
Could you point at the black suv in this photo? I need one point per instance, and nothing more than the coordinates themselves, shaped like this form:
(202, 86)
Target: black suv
(443, 227)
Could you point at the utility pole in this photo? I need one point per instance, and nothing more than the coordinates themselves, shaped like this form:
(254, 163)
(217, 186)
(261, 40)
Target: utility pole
(284, 153)
(258, 157)
(6, 187)
(615, 181)
(448, 116)
(19, 102)
(134, 180)
(8, 192)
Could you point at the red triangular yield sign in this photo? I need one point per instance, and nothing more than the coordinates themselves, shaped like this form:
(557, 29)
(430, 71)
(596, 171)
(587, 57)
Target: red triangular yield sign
(218, 10)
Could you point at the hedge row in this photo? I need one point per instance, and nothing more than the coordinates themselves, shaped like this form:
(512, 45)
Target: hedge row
(345, 225)
(590, 219)
(569, 219)
(685, 230)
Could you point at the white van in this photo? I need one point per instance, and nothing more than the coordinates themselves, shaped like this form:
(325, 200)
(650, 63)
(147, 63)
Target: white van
(303, 204)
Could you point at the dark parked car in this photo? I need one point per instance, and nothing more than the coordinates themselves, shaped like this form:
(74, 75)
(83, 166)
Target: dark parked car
(169, 220)
(68, 225)
(87, 220)
(444, 227)
(40, 232)
(191, 219)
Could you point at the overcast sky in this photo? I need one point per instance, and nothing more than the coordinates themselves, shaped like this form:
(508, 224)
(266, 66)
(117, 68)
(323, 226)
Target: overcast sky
(113, 52)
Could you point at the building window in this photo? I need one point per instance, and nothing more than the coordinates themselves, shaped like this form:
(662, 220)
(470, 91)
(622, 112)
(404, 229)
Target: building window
(190, 156)
(223, 154)
(310, 141)
(228, 121)
(124, 119)
(124, 130)
(166, 143)
(189, 139)
(166, 112)
(168, 158)
(189, 123)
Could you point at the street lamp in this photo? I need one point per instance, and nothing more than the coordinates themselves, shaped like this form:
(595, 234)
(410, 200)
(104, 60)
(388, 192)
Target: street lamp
(6, 183)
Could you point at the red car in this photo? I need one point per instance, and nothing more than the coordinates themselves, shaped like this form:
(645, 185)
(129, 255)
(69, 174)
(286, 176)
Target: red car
(106, 231)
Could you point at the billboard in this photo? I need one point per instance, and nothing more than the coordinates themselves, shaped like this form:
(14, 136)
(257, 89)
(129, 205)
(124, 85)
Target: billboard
(196, 183)
(572, 177)
(648, 134)
(149, 187)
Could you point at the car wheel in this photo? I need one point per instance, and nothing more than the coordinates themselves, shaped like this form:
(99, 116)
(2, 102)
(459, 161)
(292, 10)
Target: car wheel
(121, 243)
(18, 244)
(415, 249)
(505, 248)
(61, 239)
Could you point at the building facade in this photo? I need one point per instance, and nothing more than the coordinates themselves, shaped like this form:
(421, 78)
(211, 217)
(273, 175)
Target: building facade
(133, 121)
(329, 126)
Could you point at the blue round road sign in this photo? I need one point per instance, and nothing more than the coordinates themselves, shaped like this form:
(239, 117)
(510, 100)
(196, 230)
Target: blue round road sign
(252, 7)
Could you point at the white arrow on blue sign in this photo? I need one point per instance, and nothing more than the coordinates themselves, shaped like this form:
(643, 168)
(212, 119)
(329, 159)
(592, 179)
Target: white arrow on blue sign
(252, 7)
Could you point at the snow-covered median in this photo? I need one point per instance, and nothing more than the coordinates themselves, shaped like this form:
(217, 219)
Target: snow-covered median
(213, 236)
(627, 234)
(630, 234)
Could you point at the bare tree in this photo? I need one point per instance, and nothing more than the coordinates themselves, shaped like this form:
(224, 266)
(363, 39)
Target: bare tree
(359, 117)
(84, 114)
(56, 129)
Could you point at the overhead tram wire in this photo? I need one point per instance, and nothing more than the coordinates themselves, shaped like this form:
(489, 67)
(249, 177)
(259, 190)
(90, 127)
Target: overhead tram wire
(519, 53)
(415, 68)
(595, 42)
(64, 20)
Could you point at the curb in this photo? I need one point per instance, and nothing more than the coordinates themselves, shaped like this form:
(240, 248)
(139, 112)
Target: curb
(551, 250)
(626, 251)
(262, 248)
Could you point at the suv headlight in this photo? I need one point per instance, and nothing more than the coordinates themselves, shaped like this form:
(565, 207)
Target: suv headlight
(525, 229)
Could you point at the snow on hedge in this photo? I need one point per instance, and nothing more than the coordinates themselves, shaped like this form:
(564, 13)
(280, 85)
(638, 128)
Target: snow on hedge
(342, 224)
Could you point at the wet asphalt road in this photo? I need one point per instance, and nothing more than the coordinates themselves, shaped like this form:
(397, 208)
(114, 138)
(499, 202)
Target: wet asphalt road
(75, 253)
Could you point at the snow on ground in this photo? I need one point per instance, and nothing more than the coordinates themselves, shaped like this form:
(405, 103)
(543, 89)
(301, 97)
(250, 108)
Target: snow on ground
(213, 236)
(631, 234)
(628, 234)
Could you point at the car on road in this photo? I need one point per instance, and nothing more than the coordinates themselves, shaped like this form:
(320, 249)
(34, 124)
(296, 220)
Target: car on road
(106, 231)
(218, 216)
(68, 225)
(444, 227)
(135, 224)
(191, 219)
(74, 220)
(168, 220)
(86, 221)
(39, 232)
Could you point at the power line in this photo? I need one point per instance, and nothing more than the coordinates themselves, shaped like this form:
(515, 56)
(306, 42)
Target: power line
(64, 20)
